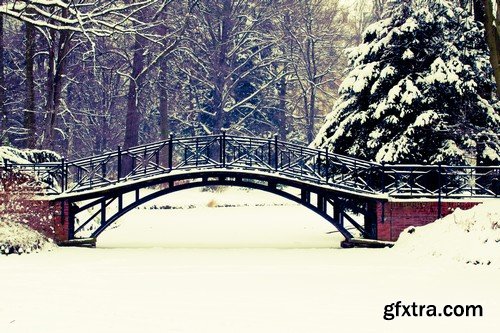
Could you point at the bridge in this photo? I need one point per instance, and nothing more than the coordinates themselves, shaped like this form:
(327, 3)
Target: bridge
(94, 192)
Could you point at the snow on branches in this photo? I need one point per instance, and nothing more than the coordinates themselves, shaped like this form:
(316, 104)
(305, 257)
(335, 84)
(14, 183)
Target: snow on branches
(419, 90)
(100, 18)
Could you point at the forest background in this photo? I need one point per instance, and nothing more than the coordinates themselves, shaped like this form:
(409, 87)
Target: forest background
(83, 77)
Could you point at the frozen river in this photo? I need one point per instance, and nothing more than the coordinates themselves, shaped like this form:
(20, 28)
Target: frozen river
(272, 268)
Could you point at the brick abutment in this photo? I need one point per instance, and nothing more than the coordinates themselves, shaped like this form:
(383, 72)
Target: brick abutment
(394, 217)
(18, 203)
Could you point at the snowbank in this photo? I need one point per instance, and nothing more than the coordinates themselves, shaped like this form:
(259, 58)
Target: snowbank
(470, 236)
(18, 238)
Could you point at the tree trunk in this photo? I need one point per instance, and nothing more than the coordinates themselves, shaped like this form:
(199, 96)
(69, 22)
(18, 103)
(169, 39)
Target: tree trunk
(49, 106)
(492, 38)
(281, 115)
(312, 78)
(133, 117)
(3, 109)
(163, 107)
(58, 52)
(29, 109)
(311, 114)
(221, 66)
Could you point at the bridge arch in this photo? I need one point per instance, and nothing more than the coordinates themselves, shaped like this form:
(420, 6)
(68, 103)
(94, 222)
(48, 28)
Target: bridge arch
(330, 205)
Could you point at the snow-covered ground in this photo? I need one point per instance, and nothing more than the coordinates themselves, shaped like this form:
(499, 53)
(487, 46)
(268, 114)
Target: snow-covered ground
(17, 238)
(195, 219)
(271, 268)
(471, 236)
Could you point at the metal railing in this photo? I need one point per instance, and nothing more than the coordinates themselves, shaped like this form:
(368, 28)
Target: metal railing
(318, 166)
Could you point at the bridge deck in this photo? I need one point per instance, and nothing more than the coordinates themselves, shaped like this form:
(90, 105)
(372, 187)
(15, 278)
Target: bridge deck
(179, 175)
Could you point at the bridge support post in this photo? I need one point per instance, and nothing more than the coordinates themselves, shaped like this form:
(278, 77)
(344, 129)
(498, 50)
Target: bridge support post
(70, 221)
(103, 211)
(305, 196)
(321, 203)
(337, 212)
(371, 220)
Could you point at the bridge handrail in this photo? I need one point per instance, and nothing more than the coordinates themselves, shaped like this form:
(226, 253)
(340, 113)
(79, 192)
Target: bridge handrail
(271, 155)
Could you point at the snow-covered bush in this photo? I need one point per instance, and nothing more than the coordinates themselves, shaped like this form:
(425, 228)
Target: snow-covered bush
(470, 236)
(19, 238)
(14, 155)
(419, 90)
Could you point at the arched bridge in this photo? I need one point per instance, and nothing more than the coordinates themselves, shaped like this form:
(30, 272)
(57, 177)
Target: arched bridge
(100, 189)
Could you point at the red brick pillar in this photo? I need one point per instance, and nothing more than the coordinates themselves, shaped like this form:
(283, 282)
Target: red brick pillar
(19, 203)
(60, 220)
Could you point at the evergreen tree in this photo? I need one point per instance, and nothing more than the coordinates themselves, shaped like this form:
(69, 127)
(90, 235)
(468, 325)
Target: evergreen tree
(419, 90)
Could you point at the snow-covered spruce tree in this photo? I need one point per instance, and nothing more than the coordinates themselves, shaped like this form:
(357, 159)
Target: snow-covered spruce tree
(419, 90)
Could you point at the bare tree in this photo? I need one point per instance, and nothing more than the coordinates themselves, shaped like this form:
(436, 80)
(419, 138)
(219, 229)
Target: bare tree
(233, 65)
(59, 21)
(160, 40)
(29, 110)
(91, 17)
(492, 33)
(3, 109)
(317, 39)
(484, 12)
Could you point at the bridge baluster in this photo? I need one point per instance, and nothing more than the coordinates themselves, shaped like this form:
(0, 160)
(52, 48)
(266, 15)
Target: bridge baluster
(250, 153)
(223, 155)
(104, 169)
(63, 175)
(276, 164)
(134, 161)
(269, 147)
(317, 165)
(208, 152)
(383, 177)
(119, 157)
(301, 164)
(170, 151)
(355, 174)
(157, 158)
(91, 176)
(439, 190)
(327, 165)
(197, 150)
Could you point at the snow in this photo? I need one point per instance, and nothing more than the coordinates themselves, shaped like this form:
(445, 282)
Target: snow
(426, 118)
(471, 236)
(408, 54)
(19, 156)
(410, 25)
(490, 154)
(494, 10)
(426, 59)
(449, 148)
(193, 205)
(277, 269)
(359, 78)
(17, 238)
